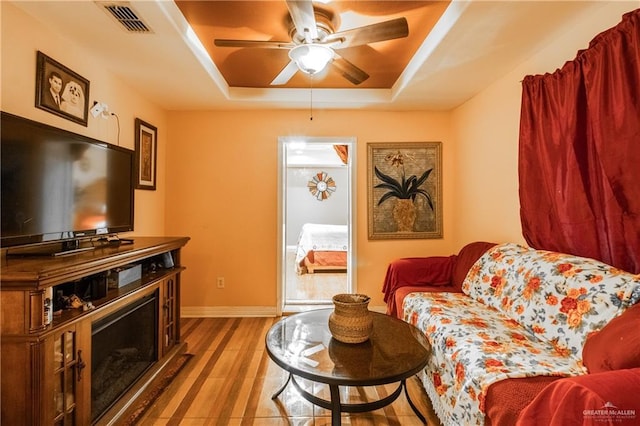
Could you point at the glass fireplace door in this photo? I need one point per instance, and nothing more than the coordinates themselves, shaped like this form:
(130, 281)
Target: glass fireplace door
(123, 347)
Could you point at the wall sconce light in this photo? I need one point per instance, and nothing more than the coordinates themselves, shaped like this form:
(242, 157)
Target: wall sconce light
(100, 108)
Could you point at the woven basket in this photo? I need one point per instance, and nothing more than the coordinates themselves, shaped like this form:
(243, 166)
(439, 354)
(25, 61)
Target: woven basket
(351, 321)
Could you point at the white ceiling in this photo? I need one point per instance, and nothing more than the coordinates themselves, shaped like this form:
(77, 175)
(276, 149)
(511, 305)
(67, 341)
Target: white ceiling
(473, 44)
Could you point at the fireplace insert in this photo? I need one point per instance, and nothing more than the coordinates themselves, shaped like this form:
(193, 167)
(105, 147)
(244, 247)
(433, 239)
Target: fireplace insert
(123, 347)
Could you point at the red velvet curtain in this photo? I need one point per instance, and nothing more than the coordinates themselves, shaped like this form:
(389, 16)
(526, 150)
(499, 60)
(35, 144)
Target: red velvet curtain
(579, 155)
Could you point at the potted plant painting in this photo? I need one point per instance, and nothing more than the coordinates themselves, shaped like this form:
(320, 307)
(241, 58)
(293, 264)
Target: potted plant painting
(404, 191)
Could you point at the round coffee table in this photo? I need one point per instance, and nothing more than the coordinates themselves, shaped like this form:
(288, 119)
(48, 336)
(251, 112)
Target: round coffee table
(302, 345)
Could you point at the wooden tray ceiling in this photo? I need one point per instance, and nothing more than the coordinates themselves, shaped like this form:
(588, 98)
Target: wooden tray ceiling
(269, 20)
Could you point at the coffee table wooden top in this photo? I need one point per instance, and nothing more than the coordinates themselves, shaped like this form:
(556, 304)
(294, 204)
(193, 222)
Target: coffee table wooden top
(302, 344)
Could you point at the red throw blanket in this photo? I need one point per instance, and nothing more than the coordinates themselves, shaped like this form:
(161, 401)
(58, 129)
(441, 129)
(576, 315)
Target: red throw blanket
(415, 271)
(609, 398)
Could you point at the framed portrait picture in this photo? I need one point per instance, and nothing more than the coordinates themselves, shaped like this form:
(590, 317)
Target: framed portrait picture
(61, 91)
(146, 154)
(404, 190)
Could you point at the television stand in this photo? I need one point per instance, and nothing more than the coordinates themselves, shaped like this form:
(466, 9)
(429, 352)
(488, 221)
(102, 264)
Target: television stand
(51, 363)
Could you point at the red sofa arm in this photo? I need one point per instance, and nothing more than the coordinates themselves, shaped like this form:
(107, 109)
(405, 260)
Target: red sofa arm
(609, 398)
(431, 272)
(416, 271)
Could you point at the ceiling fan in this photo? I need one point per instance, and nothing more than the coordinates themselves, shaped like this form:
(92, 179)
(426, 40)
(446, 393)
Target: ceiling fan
(314, 42)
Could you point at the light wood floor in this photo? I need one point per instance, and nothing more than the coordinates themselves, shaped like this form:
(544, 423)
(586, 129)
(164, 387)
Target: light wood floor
(317, 287)
(231, 378)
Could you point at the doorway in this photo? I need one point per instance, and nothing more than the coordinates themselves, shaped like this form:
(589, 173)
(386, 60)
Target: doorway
(316, 204)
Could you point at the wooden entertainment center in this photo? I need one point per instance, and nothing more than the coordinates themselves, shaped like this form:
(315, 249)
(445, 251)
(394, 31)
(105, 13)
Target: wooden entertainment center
(46, 370)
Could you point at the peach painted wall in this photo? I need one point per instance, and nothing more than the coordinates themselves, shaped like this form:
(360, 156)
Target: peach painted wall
(227, 204)
(19, 47)
(217, 171)
(223, 194)
(486, 130)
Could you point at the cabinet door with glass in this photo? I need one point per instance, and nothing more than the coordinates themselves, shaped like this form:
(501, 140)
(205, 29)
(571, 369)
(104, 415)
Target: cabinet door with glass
(67, 362)
(171, 313)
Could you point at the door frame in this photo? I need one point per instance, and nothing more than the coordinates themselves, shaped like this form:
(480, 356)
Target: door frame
(283, 141)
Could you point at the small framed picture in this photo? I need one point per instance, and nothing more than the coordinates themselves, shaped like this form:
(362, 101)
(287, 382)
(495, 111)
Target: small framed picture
(146, 154)
(61, 91)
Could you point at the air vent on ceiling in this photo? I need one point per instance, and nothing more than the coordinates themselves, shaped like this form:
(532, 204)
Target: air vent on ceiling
(124, 14)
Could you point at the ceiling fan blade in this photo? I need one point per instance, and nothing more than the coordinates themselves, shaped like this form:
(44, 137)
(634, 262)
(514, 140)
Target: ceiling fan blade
(253, 43)
(348, 70)
(388, 30)
(303, 18)
(286, 74)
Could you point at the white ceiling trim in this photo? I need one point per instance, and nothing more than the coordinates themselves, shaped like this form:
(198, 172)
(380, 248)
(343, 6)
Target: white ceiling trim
(474, 44)
(445, 24)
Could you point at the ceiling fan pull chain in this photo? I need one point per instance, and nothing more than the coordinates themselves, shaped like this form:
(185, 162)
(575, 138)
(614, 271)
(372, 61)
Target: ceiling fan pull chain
(311, 97)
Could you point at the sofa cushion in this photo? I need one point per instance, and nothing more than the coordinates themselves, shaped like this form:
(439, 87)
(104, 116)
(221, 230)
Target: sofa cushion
(474, 346)
(559, 297)
(402, 292)
(609, 398)
(507, 398)
(616, 346)
(467, 256)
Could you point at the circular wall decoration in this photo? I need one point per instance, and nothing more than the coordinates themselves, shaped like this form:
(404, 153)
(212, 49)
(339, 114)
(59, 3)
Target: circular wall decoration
(321, 186)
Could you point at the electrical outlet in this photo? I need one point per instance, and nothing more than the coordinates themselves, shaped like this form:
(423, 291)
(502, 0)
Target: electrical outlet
(220, 282)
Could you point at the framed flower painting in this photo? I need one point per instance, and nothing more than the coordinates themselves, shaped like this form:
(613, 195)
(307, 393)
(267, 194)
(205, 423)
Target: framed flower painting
(404, 190)
(146, 140)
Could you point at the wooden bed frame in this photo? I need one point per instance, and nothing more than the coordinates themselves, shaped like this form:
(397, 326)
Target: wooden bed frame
(325, 261)
(321, 247)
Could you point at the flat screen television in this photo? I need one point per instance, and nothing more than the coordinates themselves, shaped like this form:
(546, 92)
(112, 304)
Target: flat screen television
(58, 186)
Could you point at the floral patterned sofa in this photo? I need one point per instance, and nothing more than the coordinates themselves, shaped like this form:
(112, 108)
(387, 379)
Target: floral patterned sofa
(527, 336)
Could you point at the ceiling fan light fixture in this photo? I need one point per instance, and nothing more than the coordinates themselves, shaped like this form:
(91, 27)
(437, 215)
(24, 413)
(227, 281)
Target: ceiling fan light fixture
(311, 58)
